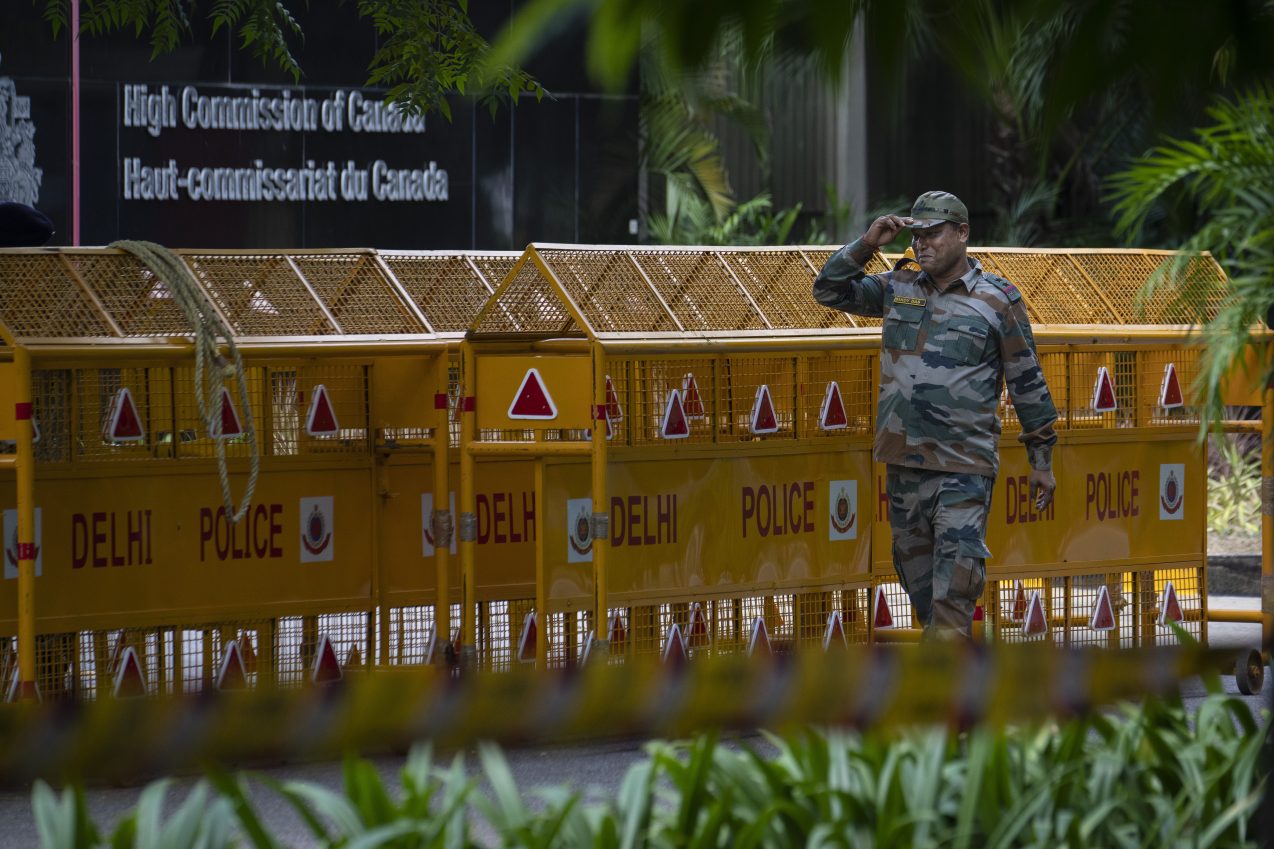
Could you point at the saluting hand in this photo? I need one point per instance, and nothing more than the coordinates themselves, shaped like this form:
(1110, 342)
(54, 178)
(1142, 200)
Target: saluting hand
(883, 230)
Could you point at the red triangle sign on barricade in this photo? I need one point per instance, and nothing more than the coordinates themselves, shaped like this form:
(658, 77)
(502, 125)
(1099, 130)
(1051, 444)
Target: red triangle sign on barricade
(124, 423)
(763, 418)
(1103, 616)
(1169, 606)
(675, 425)
(327, 669)
(1036, 622)
(831, 416)
(248, 653)
(882, 616)
(691, 398)
(1170, 396)
(528, 641)
(230, 424)
(614, 412)
(1019, 602)
(618, 633)
(321, 419)
(532, 400)
(130, 679)
(1104, 392)
(834, 635)
(117, 652)
(354, 659)
(610, 431)
(697, 630)
(233, 674)
(675, 653)
(759, 639)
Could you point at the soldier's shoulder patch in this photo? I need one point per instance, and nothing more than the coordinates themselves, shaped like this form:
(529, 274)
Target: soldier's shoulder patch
(1010, 291)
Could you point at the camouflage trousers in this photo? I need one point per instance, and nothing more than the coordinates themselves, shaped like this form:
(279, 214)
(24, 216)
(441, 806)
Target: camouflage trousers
(939, 532)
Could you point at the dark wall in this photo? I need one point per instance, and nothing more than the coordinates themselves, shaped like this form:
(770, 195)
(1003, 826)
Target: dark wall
(926, 131)
(562, 169)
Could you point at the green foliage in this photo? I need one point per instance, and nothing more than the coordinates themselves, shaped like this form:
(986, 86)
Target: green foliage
(1234, 491)
(197, 823)
(1226, 176)
(429, 49)
(1146, 776)
(752, 222)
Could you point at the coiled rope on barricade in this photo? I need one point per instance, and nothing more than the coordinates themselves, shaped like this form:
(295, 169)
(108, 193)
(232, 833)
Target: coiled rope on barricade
(207, 327)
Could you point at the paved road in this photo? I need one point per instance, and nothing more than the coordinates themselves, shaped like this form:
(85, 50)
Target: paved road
(596, 768)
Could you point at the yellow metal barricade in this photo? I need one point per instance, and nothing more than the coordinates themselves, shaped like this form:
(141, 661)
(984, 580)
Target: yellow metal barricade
(574, 450)
(350, 365)
(753, 511)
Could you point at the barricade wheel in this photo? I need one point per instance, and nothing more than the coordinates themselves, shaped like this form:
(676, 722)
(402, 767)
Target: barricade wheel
(1249, 673)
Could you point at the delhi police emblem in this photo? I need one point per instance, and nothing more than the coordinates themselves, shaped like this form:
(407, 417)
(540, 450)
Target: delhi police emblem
(842, 499)
(317, 535)
(19, 178)
(11, 551)
(581, 534)
(842, 516)
(1171, 490)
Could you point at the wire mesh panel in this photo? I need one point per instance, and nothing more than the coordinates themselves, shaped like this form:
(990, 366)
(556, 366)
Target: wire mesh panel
(609, 290)
(1156, 603)
(260, 295)
(1083, 373)
(97, 397)
(741, 397)
(357, 294)
(40, 296)
(494, 267)
(190, 437)
(643, 388)
(346, 388)
(1122, 275)
(854, 376)
(528, 305)
(499, 627)
(1054, 289)
(899, 604)
(780, 283)
(449, 290)
(1154, 377)
(140, 303)
(51, 405)
(700, 290)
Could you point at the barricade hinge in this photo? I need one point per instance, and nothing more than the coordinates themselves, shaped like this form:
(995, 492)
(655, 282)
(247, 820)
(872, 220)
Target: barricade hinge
(443, 527)
(601, 526)
(468, 527)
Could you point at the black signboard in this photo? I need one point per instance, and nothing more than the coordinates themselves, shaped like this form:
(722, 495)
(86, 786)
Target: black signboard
(207, 147)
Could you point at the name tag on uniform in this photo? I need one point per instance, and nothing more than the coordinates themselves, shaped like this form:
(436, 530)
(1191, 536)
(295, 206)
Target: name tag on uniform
(911, 302)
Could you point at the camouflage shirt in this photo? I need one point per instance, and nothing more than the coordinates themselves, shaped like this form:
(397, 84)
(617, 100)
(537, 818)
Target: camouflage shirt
(945, 356)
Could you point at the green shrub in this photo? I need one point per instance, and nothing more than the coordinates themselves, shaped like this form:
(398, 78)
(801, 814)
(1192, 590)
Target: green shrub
(1146, 776)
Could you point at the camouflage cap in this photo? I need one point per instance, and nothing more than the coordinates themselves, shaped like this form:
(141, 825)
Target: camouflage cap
(935, 207)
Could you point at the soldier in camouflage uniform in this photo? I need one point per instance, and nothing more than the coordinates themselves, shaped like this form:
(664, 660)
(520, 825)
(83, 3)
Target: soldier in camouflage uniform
(953, 335)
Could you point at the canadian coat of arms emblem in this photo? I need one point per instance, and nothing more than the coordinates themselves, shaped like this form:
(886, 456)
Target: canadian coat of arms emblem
(19, 177)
